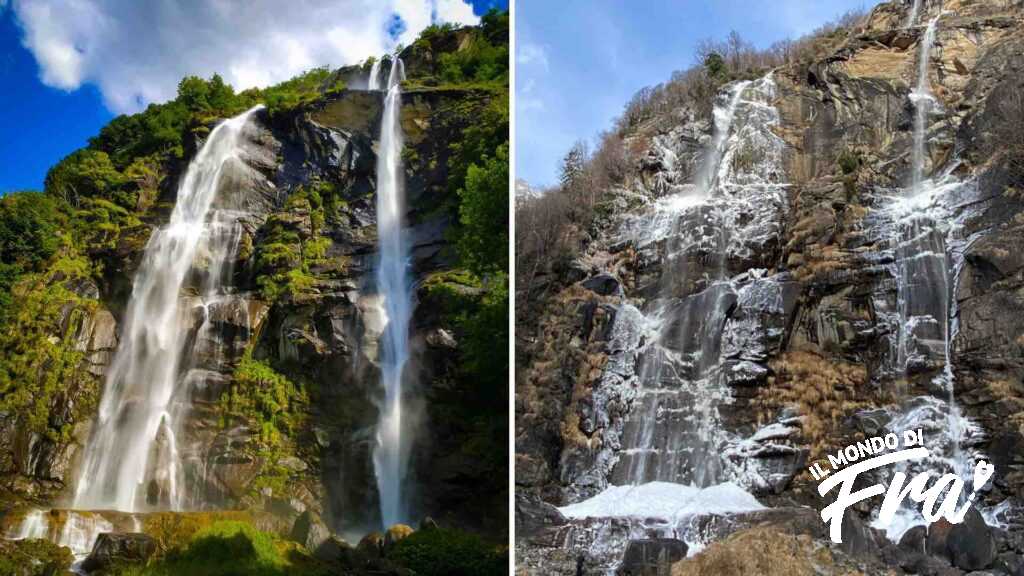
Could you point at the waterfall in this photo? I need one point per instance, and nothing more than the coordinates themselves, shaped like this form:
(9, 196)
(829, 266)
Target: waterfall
(132, 459)
(373, 82)
(390, 458)
(927, 219)
(674, 433)
(914, 11)
(671, 460)
(34, 525)
(723, 116)
(923, 104)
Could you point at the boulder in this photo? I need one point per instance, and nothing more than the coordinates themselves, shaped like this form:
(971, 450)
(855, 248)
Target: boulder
(915, 539)
(428, 523)
(372, 545)
(336, 551)
(396, 534)
(604, 284)
(112, 549)
(858, 536)
(310, 531)
(651, 557)
(938, 536)
(971, 544)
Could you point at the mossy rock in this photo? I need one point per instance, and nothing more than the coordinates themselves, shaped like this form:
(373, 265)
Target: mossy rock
(396, 534)
(33, 558)
(351, 111)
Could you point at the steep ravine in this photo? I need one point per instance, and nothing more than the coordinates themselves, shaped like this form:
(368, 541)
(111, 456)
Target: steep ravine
(816, 298)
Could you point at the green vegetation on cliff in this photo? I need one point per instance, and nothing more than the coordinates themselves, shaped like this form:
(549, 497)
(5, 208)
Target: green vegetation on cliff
(227, 548)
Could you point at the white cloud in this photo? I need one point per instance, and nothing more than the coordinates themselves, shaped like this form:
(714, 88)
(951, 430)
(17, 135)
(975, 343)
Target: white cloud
(526, 98)
(136, 52)
(532, 54)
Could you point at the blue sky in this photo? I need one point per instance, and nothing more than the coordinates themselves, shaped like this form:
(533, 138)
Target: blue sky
(579, 61)
(68, 68)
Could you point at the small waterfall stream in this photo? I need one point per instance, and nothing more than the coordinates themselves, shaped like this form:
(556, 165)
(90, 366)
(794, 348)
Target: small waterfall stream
(914, 11)
(391, 456)
(373, 81)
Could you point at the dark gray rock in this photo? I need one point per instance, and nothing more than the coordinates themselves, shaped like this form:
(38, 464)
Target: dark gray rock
(1010, 563)
(971, 544)
(651, 557)
(858, 536)
(113, 549)
(310, 531)
(604, 284)
(938, 538)
(336, 551)
(915, 539)
(536, 519)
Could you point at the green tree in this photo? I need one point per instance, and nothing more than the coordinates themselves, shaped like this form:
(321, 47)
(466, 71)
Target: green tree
(483, 215)
(714, 64)
(83, 173)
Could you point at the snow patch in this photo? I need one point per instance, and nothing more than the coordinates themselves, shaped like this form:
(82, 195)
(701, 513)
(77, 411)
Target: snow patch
(664, 500)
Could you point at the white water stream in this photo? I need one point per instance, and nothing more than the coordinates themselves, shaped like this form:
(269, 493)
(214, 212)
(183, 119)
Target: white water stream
(927, 219)
(391, 456)
(132, 461)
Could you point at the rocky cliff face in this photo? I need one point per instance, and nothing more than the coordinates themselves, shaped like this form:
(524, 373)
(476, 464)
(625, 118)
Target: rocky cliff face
(804, 306)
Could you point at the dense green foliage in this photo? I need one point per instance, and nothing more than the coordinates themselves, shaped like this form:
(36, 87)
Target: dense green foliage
(38, 367)
(264, 398)
(442, 552)
(483, 214)
(480, 57)
(29, 226)
(274, 406)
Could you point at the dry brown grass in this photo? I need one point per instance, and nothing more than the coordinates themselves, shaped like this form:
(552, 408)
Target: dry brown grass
(766, 552)
(822, 390)
(559, 354)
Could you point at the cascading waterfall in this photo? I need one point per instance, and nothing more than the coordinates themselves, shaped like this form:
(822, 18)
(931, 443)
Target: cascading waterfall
(391, 456)
(132, 461)
(674, 433)
(33, 525)
(671, 464)
(723, 116)
(929, 249)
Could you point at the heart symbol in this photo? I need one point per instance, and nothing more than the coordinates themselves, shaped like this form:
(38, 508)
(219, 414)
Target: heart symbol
(982, 472)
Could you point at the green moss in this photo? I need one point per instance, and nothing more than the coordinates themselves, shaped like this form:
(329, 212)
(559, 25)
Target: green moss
(174, 530)
(263, 398)
(848, 162)
(445, 552)
(272, 405)
(38, 359)
(33, 558)
(288, 254)
(232, 548)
